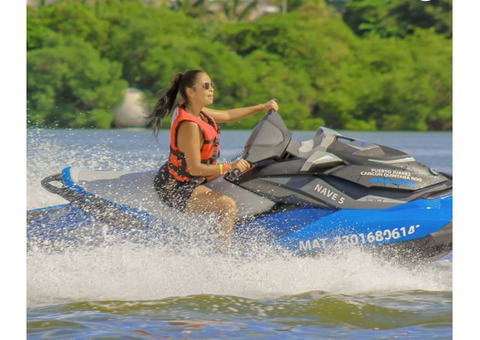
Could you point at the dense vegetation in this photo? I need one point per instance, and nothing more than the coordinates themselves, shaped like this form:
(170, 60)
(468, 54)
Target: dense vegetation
(359, 65)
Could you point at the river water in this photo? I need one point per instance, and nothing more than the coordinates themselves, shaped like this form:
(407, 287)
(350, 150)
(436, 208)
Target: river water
(142, 292)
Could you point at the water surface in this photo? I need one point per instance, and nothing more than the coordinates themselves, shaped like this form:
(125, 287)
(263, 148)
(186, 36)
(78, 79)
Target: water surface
(125, 290)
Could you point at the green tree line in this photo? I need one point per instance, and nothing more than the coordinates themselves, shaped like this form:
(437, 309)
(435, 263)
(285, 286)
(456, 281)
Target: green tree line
(356, 65)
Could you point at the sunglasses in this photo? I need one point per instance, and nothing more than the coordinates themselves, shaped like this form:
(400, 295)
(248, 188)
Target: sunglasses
(207, 85)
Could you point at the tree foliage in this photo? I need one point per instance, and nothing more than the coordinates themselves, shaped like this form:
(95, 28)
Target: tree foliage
(69, 84)
(378, 67)
(398, 17)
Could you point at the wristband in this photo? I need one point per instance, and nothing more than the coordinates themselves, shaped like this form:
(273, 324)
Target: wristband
(221, 169)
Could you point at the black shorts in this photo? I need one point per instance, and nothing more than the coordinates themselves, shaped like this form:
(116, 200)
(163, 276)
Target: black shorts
(171, 191)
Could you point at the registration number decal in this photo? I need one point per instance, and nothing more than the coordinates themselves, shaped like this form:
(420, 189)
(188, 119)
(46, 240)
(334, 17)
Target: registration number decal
(359, 238)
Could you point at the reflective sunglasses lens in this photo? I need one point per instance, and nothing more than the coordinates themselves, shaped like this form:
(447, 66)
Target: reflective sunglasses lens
(207, 85)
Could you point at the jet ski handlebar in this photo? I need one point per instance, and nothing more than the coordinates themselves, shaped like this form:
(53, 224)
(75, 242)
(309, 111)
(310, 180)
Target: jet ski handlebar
(234, 174)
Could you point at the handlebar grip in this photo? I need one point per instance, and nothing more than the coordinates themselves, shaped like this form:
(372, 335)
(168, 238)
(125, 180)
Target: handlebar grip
(234, 174)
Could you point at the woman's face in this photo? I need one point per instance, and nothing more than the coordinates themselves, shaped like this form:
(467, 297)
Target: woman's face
(202, 92)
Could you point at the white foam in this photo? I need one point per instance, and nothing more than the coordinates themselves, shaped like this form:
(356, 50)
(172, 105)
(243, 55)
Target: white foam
(131, 272)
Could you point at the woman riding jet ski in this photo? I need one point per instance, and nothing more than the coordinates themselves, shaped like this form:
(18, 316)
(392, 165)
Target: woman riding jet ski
(307, 197)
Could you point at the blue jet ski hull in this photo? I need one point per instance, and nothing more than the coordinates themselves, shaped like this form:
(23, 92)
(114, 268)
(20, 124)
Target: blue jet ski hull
(420, 229)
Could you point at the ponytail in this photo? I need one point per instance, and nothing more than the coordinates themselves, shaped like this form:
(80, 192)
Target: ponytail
(165, 103)
(167, 97)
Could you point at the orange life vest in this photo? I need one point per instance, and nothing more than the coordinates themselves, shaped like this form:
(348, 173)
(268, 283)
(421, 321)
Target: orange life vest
(209, 152)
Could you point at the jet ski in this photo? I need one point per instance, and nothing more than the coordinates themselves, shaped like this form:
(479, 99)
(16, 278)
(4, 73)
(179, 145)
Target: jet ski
(306, 197)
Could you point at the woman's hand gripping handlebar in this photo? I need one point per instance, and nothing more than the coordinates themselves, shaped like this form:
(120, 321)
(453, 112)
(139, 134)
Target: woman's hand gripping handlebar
(239, 167)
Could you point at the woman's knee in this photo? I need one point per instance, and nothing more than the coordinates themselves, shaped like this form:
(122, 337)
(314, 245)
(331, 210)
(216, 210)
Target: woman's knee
(207, 200)
(227, 204)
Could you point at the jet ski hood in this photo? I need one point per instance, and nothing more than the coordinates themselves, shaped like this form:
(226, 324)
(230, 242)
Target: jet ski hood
(366, 172)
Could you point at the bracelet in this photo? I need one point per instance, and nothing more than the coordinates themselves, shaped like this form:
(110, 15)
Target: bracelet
(224, 167)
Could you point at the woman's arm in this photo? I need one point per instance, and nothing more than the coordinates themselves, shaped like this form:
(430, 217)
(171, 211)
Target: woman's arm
(189, 141)
(226, 116)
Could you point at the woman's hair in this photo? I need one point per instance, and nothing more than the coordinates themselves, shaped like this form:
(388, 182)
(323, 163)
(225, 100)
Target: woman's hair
(168, 96)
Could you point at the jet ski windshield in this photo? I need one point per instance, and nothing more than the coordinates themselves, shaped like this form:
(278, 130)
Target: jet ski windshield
(271, 140)
(268, 140)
